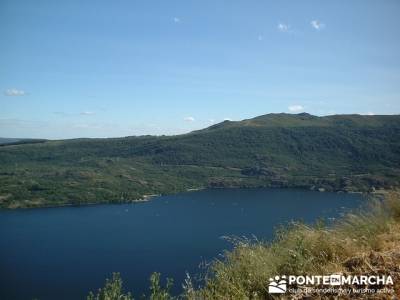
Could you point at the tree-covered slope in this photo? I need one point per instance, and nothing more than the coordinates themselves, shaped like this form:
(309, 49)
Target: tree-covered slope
(340, 152)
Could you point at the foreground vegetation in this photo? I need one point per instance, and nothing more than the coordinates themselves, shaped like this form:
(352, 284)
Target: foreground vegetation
(333, 153)
(366, 242)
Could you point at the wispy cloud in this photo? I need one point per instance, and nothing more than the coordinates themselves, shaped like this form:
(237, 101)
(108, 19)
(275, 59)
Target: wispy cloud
(295, 108)
(282, 27)
(189, 119)
(260, 37)
(317, 25)
(14, 92)
(60, 113)
(176, 20)
(87, 113)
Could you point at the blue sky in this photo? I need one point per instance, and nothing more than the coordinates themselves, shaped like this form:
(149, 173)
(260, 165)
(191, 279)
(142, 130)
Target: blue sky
(116, 68)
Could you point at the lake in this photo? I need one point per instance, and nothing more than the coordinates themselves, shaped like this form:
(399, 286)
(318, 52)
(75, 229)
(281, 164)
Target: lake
(68, 251)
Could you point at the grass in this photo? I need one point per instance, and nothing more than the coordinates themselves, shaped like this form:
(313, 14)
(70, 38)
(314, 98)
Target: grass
(300, 249)
(362, 242)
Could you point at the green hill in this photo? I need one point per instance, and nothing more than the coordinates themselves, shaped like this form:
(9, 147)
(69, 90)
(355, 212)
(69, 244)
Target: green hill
(14, 141)
(340, 153)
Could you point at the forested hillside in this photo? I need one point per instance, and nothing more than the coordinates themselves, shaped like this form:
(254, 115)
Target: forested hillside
(340, 153)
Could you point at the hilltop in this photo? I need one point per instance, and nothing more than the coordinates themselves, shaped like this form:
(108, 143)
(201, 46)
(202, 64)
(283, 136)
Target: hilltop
(15, 141)
(335, 153)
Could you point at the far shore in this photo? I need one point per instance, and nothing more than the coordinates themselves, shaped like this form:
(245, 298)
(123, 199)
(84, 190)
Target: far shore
(148, 197)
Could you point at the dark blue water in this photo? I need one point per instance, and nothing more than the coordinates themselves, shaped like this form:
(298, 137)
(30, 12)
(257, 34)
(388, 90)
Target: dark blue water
(65, 252)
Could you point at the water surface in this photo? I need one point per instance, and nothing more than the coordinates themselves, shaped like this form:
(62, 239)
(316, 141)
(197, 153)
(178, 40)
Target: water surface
(67, 251)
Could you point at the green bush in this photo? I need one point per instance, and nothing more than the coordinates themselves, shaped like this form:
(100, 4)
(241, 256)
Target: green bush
(112, 290)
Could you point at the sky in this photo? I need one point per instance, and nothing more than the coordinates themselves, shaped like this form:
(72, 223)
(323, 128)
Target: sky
(73, 69)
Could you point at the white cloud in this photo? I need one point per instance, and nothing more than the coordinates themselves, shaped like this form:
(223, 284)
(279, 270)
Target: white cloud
(87, 113)
(14, 92)
(317, 25)
(189, 119)
(295, 108)
(60, 113)
(176, 20)
(282, 27)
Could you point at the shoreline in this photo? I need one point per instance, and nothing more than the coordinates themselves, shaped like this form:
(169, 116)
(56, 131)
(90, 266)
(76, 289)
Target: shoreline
(149, 197)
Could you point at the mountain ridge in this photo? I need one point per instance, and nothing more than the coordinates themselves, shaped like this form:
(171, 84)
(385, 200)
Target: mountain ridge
(335, 153)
